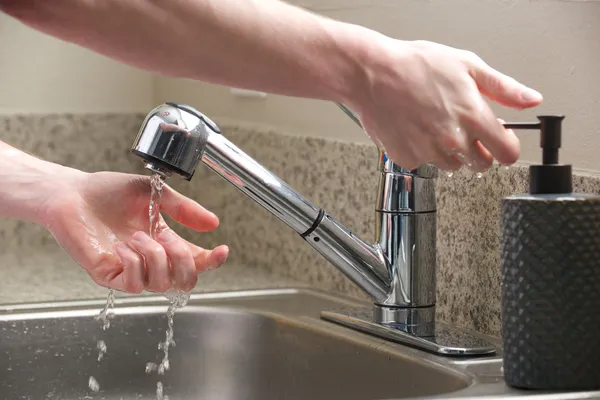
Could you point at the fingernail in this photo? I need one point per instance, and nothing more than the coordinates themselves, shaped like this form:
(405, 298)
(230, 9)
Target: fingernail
(531, 95)
(167, 236)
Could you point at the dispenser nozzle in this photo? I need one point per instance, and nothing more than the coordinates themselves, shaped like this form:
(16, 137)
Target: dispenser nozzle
(550, 177)
(550, 127)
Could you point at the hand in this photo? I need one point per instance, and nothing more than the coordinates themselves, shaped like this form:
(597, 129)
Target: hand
(101, 221)
(424, 104)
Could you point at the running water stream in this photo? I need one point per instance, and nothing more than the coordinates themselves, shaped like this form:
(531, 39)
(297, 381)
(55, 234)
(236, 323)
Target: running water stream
(177, 299)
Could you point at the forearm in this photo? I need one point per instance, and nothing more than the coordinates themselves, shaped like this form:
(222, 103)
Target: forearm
(27, 183)
(255, 44)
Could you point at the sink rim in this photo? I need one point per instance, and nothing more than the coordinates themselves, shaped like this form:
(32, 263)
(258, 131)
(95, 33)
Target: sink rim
(484, 374)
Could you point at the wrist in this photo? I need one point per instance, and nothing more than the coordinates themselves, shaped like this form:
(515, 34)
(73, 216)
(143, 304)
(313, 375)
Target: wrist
(347, 61)
(365, 51)
(56, 182)
(30, 186)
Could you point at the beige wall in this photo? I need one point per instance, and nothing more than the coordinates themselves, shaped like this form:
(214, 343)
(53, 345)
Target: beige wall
(550, 45)
(553, 46)
(39, 74)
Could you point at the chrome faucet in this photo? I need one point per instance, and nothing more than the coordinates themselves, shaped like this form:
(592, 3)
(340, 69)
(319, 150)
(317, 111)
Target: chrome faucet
(398, 272)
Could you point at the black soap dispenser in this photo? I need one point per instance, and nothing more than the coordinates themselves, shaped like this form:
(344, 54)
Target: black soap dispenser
(550, 267)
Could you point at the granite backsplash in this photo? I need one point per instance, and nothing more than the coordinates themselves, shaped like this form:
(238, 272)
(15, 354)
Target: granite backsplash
(338, 176)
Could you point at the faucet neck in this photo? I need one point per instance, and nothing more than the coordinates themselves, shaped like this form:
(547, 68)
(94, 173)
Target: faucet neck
(398, 271)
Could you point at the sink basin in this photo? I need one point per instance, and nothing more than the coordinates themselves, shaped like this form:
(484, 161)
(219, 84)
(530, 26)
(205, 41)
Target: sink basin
(235, 345)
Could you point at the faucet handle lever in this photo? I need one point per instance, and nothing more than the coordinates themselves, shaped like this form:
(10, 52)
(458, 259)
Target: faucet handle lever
(387, 165)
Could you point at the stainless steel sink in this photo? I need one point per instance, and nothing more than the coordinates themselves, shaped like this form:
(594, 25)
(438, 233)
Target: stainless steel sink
(236, 345)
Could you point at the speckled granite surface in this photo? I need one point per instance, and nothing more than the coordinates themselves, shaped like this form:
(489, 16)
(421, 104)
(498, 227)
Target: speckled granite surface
(49, 275)
(340, 177)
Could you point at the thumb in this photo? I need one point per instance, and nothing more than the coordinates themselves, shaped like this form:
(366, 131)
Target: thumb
(503, 89)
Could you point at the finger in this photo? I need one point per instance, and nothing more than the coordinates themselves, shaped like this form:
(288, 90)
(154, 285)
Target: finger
(501, 88)
(481, 124)
(406, 153)
(459, 149)
(183, 268)
(157, 266)
(205, 260)
(447, 161)
(133, 269)
(509, 131)
(187, 212)
(483, 156)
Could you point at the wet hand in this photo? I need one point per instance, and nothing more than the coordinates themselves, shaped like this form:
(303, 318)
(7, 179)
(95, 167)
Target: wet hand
(424, 103)
(101, 220)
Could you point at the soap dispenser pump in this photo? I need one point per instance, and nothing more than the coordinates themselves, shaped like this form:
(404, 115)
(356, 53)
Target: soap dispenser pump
(550, 276)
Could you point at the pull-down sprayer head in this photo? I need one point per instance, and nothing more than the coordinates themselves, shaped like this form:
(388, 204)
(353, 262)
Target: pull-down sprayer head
(173, 139)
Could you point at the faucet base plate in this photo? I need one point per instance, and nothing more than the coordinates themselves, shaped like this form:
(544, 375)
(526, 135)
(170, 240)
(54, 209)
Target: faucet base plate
(446, 340)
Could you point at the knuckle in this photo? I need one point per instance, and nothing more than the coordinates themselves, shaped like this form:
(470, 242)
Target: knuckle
(180, 251)
(99, 280)
(156, 252)
(471, 58)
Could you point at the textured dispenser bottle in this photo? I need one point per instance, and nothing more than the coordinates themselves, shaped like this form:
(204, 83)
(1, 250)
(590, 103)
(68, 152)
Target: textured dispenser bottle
(550, 264)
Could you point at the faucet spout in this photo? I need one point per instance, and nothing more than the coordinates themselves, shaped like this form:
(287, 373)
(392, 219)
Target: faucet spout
(175, 138)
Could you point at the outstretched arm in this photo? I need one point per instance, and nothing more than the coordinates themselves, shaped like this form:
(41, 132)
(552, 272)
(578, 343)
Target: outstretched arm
(420, 101)
(256, 44)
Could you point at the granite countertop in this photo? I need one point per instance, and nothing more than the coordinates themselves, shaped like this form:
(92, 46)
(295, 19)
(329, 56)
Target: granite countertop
(50, 275)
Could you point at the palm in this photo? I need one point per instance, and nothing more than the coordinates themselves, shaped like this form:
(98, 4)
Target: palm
(103, 226)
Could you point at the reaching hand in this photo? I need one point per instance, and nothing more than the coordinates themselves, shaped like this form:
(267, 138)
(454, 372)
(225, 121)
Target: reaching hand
(424, 103)
(101, 221)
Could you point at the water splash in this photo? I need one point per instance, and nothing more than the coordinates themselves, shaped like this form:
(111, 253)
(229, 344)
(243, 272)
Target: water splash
(101, 346)
(159, 392)
(93, 384)
(105, 316)
(177, 299)
(108, 312)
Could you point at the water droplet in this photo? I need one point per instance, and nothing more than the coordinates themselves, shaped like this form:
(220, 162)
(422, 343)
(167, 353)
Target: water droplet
(479, 175)
(159, 390)
(449, 174)
(93, 384)
(101, 346)
(150, 367)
